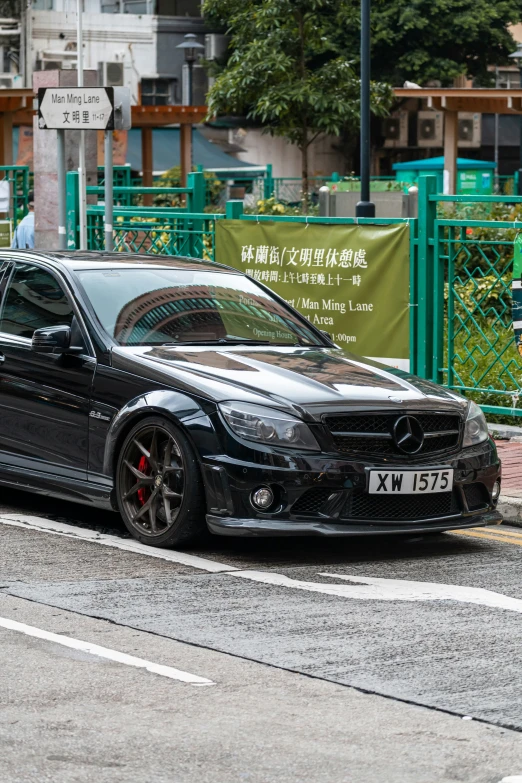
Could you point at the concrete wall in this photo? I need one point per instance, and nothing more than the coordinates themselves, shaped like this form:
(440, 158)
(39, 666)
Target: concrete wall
(145, 44)
(394, 204)
(260, 148)
(107, 37)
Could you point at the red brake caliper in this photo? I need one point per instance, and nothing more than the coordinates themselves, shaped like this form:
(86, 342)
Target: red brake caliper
(143, 467)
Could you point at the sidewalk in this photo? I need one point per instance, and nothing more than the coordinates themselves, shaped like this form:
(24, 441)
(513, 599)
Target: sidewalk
(510, 503)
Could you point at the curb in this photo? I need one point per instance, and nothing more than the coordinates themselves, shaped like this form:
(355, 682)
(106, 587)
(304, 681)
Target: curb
(511, 510)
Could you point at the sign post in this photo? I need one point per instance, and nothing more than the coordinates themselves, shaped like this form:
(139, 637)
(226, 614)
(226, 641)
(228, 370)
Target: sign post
(84, 108)
(62, 201)
(108, 191)
(76, 108)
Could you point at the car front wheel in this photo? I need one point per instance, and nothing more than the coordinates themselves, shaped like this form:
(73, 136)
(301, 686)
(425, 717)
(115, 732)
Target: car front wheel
(158, 484)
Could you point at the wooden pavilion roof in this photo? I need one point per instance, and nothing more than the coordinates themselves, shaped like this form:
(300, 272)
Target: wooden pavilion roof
(466, 99)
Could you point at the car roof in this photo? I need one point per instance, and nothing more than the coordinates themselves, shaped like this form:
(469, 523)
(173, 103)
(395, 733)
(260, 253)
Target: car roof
(77, 260)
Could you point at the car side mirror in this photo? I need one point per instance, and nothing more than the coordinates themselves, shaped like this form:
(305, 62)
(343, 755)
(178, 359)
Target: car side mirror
(53, 339)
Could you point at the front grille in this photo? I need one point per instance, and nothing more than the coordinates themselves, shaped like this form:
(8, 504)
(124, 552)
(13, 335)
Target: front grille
(311, 501)
(372, 434)
(477, 496)
(400, 507)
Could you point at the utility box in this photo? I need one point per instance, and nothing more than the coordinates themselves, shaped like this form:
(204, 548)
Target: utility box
(474, 177)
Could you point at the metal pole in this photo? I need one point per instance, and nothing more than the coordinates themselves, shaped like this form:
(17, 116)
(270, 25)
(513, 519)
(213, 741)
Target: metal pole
(495, 149)
(109, 202)
(81, 162)
(365, 208)
(62, 189)
(324, 201)
(520, 152)
(189, 128)
(189, 96)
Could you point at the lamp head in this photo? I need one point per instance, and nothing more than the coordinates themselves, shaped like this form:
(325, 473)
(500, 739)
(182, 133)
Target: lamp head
(190, 47)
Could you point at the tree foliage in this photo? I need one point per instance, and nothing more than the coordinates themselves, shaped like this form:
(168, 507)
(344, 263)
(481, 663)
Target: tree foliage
(288, 69)
(428, 40)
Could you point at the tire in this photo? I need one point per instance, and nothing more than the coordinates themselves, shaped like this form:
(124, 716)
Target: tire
(159, 489)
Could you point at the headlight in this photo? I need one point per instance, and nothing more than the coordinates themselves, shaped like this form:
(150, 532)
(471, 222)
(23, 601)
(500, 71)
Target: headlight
(476, 429)
(265, 425)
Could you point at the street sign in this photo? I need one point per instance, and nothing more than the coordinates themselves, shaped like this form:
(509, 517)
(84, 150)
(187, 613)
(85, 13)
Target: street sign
(76, 108)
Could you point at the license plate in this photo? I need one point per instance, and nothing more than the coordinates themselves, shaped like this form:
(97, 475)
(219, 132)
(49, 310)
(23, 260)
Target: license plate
(410, 482)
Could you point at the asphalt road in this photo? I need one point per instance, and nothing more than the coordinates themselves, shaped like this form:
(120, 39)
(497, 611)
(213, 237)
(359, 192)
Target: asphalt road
(349, 660)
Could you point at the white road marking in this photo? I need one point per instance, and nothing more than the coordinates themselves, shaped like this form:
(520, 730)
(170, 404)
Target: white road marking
(363, 588)
(104, 652)
(374, 589)
(512, 779)
(127, 544)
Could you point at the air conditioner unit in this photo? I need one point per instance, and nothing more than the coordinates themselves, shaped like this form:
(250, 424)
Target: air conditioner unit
(430, 129)
(215, 46)
(7, 81)
(470, 129)
(111, 74)
(56, 60)
(52, 65)
(199, 85)
(395, 130)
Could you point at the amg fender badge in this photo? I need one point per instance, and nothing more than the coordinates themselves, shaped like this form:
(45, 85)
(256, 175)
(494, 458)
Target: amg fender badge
(98, 415)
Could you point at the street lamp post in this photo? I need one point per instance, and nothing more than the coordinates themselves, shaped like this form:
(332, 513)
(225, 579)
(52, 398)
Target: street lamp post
(365, 208)
(190, 47)
(517, 57)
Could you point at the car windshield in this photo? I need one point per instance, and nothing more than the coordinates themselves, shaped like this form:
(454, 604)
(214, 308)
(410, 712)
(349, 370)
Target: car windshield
(155, 306)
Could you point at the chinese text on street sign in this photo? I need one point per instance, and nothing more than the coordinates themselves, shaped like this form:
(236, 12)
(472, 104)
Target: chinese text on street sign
(351, 281)
(76, 108)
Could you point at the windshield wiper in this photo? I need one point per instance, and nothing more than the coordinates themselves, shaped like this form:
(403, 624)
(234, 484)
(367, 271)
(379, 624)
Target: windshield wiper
(221, 341)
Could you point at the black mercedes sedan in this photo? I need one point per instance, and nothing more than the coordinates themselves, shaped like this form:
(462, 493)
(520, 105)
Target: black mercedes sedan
(189, 397)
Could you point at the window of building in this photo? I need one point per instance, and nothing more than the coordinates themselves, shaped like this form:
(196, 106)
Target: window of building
(507, 78)
(157, 92)
(34, 300)
(43, 5)
(159, 7)
(178, 7)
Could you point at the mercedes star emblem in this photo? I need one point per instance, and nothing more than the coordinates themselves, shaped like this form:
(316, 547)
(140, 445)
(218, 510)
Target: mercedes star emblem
(408, 434)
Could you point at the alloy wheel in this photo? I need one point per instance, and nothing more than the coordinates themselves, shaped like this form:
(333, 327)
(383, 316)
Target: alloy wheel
(152, 480)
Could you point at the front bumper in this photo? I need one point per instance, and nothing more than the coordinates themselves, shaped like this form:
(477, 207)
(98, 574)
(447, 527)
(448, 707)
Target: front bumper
(229, 484)
(223, 526)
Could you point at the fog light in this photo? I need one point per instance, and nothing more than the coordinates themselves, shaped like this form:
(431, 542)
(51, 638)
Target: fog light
(262, 498)
(495, 492)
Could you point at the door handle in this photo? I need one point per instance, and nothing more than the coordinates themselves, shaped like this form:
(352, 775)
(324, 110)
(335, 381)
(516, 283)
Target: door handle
(2, 358)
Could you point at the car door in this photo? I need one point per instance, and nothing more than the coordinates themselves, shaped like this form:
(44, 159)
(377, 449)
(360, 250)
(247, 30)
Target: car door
(44, 398)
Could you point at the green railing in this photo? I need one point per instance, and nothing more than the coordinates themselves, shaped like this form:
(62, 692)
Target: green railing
(121, 179)
(161, 231)
(142, 229)
(465, 310)
(18, 179)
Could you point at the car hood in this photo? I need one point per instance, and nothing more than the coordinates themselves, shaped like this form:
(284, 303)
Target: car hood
(310, 380)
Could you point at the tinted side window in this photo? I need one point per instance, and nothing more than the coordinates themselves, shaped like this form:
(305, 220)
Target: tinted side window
(33, 300)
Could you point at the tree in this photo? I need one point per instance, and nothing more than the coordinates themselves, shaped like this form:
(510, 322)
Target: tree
(287, 71)
(427, 40)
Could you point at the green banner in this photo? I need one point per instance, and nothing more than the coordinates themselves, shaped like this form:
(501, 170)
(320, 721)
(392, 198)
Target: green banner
(350, 281)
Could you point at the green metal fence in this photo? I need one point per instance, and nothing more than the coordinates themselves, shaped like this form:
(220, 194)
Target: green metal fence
(18, 179)
(464, 305)
(171, 232)
(167, 230)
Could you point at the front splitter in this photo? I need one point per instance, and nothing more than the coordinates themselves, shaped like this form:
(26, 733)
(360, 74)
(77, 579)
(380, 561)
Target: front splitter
(229, 526)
